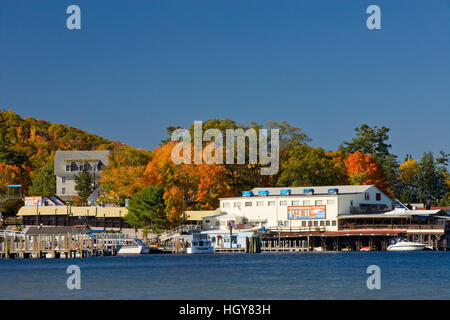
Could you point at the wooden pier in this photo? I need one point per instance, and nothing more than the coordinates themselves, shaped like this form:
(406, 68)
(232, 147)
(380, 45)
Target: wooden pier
(64, 245)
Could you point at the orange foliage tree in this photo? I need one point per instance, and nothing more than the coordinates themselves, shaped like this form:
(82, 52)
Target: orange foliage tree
(123, 176)
(362, 169)
(186, 186)
(9, 174)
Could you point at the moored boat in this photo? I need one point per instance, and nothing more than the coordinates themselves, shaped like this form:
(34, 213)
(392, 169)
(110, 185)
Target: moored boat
(132, 246)
(199, 244)
(406, 246)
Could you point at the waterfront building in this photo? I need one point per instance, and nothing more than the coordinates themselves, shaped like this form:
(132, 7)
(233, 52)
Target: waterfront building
(95, 217)
(68, 164)
(315, 208)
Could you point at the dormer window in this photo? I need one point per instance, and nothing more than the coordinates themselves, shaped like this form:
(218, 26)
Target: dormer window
(68, 168)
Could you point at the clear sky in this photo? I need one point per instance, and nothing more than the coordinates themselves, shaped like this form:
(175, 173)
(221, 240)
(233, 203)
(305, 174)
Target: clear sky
(136, 67)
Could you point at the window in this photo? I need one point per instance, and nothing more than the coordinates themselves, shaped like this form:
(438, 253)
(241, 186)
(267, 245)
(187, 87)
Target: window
(63, 179)
(67, 167)
(333, 223)
(378, 196)
(226, 204)
(283, 203)
(248, 204)
(319, 202)
(271, 203)
(327, 223)
(260, 203)
(295, 202)
(303, 223)
(322, 223)
(331, 202)
(316, 223)
(367, 196)
(309, 223)
(306, 202)
(63, 190)
(80, 167)
(237, 204)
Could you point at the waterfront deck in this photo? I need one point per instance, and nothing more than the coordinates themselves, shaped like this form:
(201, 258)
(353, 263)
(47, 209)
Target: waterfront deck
(54, 246)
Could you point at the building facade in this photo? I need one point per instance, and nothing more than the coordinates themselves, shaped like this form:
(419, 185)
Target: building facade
(304, 208)
(69, 164)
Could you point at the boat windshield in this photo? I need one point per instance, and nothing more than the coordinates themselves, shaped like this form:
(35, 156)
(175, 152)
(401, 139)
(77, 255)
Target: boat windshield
(139, 242)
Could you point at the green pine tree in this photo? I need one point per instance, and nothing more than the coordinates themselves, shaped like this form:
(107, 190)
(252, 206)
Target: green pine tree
(84, 185)
(146, 209)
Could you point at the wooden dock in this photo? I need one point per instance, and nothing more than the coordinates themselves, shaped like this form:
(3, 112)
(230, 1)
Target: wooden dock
(54, 246)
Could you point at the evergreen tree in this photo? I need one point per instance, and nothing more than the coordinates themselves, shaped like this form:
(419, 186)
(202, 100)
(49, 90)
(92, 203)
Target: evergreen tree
(84, 185)
(44, 183)
(146, 209)
(431, 184)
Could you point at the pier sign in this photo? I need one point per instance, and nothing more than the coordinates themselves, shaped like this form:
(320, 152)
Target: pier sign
(306, 212)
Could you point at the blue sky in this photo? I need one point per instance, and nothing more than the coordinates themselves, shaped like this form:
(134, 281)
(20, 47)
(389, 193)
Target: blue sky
(136, 67)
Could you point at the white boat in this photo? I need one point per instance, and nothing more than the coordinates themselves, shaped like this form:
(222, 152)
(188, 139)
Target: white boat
(406, 246)
(199, 246)
(132, 246)
(198, 243)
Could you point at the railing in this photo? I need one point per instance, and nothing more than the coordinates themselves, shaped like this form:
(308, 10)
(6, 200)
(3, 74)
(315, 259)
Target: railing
(392, 226)
(13, 221)
(12, 234)
(297, 229)
(184, 228)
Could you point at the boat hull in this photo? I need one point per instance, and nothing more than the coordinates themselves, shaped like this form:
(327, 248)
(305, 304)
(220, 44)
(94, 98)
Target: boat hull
(133, 250)
(406, 247)
(197, 250)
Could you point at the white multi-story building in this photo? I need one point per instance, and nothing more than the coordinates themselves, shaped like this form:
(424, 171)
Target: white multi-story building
(301, 207)
(68, 164)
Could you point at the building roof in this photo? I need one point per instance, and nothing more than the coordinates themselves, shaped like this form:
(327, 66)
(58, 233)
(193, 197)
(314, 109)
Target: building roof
(62, 157)
(198, 215)
(89, 211)
(397, 213)
(57, 230)
(317, 189)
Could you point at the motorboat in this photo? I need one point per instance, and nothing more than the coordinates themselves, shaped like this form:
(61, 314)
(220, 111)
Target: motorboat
(199, 244)
(367, 248)
(406, 246)
(132, 246)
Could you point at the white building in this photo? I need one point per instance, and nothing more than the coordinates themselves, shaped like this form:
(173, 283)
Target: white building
(68, 164)
(303, 207)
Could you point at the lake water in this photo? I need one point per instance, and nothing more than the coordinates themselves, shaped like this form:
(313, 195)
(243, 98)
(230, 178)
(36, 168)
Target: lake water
(322, 275)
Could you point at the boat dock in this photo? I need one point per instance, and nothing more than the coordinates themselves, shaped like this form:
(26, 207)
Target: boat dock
(15, 244)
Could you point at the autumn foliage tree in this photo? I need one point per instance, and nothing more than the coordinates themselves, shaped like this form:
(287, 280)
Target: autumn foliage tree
(186, 186)
(9, 174)
(123, 176)
(362, 169)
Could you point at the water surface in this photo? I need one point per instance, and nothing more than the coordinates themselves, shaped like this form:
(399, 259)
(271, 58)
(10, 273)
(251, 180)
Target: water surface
(321, 275)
